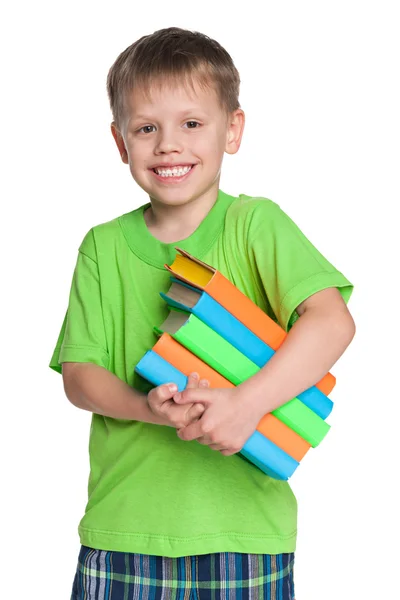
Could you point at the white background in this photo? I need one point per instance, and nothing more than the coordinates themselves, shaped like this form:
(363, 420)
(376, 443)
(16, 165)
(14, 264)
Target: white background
(320, 91)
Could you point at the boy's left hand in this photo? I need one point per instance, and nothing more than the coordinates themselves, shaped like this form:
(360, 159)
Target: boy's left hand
(227, 422)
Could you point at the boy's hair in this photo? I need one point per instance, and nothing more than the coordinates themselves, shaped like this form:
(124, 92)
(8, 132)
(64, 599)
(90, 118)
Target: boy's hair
(173, 55)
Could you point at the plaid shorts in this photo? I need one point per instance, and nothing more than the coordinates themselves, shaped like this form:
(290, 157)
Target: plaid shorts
(105, 575)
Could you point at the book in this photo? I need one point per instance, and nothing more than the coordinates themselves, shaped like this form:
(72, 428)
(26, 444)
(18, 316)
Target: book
(258, 449)
(219, 354)
(283, 436)
(158, 371)
(272, 428)
(268, 457)
(208, 345)
(198, 274)
(181, 358)
(188, 298)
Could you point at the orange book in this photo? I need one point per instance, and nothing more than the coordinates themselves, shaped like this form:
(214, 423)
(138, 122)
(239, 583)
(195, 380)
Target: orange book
(198, 274)
(284, 437)
(182, 359)
(271, 427)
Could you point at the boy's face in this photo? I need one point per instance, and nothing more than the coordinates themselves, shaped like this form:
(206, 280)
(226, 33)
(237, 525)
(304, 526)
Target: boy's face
(174, 140)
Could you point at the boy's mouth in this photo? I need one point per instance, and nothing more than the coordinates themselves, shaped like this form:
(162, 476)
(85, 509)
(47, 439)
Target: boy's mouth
(176, 172)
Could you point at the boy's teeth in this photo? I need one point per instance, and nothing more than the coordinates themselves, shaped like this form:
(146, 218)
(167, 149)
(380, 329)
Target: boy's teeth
(174, 172)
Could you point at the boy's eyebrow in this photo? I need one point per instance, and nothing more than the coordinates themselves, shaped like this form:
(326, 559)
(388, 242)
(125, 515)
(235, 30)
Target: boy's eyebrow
(139, 118)
(194, 110)
(187, 112)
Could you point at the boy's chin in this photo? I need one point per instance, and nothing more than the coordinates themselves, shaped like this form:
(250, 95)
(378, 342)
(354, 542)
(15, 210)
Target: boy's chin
(168, 194)
(173, 197)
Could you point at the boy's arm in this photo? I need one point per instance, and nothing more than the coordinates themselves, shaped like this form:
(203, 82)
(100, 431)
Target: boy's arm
(315, 342)
(94, 388)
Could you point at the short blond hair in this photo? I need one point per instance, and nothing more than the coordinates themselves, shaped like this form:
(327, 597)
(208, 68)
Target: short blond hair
(173, 55)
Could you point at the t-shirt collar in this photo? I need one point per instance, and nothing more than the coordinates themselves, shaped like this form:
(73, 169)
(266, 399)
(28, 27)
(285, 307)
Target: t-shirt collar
(157, 253)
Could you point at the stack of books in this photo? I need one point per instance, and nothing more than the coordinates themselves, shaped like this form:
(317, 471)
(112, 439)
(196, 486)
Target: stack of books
(215, 330)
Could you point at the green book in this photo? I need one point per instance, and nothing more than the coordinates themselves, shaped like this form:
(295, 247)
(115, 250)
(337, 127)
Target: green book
(303, 421)
(224, 358)
(208, 345)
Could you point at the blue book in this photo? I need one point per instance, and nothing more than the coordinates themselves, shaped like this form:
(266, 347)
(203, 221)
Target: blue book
(258, 449)
(158, 371)
(268, 457)
(185, 297)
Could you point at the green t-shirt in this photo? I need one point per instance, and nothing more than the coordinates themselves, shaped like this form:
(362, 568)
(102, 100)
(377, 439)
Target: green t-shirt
(150, 492)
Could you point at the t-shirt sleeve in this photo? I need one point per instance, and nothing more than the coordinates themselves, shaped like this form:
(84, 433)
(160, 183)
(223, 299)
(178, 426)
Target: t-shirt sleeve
(82, 337)
(289, 267)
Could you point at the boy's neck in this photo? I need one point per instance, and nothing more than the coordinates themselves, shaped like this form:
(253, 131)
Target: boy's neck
(171, 224)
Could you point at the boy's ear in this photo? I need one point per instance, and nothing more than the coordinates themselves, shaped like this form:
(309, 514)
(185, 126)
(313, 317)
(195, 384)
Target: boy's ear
(235, 131)
(120, 142)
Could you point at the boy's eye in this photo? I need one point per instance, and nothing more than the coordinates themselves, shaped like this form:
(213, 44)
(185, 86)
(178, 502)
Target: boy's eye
(192, 124)
(147, 128)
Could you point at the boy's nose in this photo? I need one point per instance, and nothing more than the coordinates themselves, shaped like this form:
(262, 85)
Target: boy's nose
(168, 142)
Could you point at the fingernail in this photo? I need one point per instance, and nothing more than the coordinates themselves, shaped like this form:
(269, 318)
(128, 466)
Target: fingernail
(172, 387)
(195, 376)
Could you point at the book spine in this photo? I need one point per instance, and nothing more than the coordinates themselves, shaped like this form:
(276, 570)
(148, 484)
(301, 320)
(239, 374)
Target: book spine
(210, 312)
(231, 329)
(303, 421)
(268, 457)
(158, 371)
(260, 451)
(215, 351)
(283, 436)
(194, 272)
(251, 315)
(185, 361)
(272, 428)
(234, 366)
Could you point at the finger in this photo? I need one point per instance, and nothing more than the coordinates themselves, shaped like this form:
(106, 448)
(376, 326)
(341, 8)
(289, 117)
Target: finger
(193, 381)
(161, 394)
(195, 412)
(191, 432)
(203, 383)
(218, 448)
(227, 452)
(205, 441)
(198, 394)
(165, 391)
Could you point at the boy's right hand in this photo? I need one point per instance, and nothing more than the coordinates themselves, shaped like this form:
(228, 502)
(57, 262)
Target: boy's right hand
(161, 404)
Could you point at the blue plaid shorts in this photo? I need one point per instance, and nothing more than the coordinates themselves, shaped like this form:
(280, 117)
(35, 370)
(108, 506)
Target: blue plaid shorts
(103, 575)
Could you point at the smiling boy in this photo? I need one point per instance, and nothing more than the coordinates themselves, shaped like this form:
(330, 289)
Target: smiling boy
(172, 512)
(173, 134)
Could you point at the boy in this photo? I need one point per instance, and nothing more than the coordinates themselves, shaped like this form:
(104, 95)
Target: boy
(171, 511)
